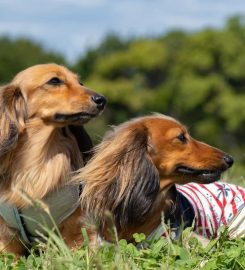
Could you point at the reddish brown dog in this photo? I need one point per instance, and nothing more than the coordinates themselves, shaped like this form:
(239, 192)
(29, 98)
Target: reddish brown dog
(135, 167)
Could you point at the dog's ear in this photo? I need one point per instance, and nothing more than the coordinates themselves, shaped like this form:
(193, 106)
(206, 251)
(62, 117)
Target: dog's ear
(142, 178)
(12, 117)
(121, 177)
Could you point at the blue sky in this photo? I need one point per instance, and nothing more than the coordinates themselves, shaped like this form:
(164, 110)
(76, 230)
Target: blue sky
(72, 26)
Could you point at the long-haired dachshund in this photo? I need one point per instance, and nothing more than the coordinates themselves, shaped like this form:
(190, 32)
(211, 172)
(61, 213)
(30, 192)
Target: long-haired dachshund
(138, 172)
(41, 142)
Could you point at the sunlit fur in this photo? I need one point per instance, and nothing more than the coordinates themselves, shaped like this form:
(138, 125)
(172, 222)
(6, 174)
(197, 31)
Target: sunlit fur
(38, 153)
(133, 169)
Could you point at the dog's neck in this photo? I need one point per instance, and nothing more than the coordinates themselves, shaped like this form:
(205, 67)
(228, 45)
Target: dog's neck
(163, 204)
(170, 207)
(41, 162)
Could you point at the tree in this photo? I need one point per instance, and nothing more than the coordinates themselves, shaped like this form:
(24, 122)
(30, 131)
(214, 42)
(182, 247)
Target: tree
(18, 54)
(197, 77)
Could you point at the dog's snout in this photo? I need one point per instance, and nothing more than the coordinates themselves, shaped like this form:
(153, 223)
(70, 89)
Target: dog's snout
(100, 101)
(228, 160)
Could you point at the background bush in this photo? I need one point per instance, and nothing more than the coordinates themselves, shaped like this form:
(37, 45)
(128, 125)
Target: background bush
(199, 78)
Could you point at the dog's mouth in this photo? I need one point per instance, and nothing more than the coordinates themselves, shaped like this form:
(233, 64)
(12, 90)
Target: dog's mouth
(81, 117)
(201, 176)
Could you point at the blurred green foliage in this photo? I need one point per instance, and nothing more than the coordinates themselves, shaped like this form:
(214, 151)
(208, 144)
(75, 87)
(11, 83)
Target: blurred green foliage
(199, 78)
(16, 55)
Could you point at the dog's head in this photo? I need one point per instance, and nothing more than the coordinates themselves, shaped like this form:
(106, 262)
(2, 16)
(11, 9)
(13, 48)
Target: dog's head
(178, 157)
(138, 160)
(49, 92)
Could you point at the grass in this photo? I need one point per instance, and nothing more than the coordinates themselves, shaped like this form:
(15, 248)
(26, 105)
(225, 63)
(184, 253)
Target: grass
(161, 253)
(235, 175)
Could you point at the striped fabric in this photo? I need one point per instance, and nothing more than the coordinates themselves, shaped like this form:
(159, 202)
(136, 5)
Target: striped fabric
(214, 204)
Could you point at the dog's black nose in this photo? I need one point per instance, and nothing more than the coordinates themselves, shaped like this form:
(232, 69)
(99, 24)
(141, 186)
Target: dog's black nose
(100, 101)
(228, 160)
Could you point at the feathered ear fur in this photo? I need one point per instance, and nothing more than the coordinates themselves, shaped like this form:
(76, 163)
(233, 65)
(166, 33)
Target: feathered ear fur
(121, 177)
(12, 117)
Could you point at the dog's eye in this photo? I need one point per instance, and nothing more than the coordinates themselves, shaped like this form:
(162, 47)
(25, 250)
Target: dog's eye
(55, 81)
(81, 83)
(182, 138)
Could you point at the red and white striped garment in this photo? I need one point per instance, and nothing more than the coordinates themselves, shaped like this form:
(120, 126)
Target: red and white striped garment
(214, 204)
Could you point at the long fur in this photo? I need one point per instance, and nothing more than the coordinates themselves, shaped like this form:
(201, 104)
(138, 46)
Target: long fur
(37, 153)
(42, 161)
(12, 117)
(133, 169)
(125, 174)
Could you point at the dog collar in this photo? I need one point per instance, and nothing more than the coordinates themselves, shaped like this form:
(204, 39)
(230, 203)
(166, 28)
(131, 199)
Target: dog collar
(33, 222)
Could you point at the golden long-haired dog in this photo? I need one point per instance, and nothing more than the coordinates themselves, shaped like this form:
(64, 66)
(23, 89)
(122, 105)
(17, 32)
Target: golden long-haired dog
(42, 111)
(137, 172)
